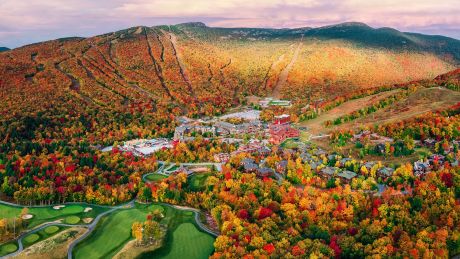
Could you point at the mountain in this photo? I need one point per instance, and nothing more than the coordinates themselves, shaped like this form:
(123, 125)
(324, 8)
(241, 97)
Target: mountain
(205, 70)
(3, 49)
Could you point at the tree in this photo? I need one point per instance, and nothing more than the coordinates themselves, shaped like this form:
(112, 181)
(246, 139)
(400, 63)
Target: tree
(136, 231)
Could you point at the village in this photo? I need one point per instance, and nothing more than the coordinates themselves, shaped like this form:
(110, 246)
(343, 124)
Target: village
(256, 140)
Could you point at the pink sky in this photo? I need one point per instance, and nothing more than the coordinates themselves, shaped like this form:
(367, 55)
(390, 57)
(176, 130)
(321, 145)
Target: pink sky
(28, 21)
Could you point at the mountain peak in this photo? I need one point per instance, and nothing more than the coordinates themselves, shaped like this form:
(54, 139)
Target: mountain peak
(4, 49)
(193, 24)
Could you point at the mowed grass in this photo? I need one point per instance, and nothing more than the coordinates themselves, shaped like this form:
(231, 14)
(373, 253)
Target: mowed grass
(197, 181)
(32, 238)
(8, 248)
(51, 229)
(72, 220)
(184, 239)
(188, 241)
(47, 214)
(156, 177)
(42, 235)
(112, 233)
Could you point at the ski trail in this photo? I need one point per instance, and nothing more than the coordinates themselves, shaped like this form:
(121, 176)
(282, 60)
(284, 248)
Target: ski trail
(182, 68)
(284, 74)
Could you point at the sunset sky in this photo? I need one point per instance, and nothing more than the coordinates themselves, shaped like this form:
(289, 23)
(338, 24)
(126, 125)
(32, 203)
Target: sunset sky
(27, 21)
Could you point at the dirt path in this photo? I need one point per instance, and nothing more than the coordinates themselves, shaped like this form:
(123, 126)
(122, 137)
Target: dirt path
(284, 74)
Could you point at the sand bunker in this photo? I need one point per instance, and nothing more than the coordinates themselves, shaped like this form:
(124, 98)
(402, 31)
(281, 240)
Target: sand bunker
(27, 216)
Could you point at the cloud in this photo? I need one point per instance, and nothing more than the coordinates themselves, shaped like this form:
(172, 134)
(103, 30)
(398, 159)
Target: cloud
(35, 20)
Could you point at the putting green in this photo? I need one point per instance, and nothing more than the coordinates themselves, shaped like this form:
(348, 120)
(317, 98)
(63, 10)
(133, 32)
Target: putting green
(51, 229)
(188, 240)
(8, 249)
(72, 220)
(32, 238)
(72, 209)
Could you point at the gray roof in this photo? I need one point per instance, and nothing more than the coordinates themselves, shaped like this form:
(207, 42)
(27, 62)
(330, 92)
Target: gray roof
(248, 161)
(265, 170)
(386, 171)
(347, 174)
(329, 170)
(344, 160)
(250, 166)
(282, 163)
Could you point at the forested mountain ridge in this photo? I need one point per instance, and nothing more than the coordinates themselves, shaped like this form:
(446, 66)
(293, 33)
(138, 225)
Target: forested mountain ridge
(204, 70)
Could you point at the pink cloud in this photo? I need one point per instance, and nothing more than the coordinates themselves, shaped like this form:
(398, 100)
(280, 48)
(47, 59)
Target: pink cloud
(34, 20)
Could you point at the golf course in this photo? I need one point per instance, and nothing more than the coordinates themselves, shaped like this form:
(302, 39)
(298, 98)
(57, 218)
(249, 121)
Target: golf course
(114, 231)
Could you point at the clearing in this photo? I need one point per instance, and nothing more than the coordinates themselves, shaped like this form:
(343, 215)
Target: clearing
(422, 101)
(316, 126)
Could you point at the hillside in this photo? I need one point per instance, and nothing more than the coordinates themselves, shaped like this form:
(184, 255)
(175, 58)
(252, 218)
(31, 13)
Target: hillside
(3, 49)
(203, 70)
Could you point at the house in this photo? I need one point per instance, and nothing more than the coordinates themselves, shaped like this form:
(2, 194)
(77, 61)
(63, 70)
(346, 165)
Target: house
(282, 119)
(281, 166)
(248, 160)
(279, 133)
(222, 157)
(380, 148)
(180, 132)
(249, 165)
(314, 165)
(225, 128)
(264, 172)
(421, 167)
(252, 147)
(369, 165)
(343, 161)
(264, 151)
(328, 172)
(320, 152)
(385, 172)
(347, 176)
(305, 156)
(429, 142)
